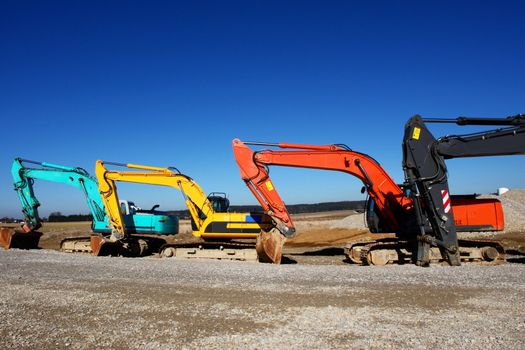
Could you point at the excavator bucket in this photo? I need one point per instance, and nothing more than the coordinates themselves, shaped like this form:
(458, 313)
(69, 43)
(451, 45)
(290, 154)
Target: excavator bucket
(11, 238)
(131, 247)
(103, 247)
(269, 247)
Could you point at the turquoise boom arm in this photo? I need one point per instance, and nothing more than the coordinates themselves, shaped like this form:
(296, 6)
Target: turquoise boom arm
(23, 179)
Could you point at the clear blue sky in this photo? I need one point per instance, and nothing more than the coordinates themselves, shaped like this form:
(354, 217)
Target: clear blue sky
(172, 83)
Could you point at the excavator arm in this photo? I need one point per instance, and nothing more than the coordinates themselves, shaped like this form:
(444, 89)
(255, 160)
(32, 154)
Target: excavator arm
(23, 178)
(383, 190)
(426, 172)
(196, 201)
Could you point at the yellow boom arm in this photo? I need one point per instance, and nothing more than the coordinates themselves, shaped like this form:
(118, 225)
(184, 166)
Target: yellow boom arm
(208, 223)
(196, 200)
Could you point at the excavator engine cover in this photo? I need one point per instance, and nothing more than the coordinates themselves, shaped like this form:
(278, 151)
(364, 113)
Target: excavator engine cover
(269, 247)
(10, 238)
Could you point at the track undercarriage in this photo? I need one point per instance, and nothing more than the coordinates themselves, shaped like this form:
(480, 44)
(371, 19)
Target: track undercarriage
(98, 245)
(210, 250)
(267, 249)
(393, 251)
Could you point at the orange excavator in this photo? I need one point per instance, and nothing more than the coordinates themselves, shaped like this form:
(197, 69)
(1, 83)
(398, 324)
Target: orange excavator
(421, 213)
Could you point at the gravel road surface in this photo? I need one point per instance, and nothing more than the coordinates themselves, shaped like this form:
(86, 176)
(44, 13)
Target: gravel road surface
(52, 300)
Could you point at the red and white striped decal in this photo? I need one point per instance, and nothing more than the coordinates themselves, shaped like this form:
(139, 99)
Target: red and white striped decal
(446, 200)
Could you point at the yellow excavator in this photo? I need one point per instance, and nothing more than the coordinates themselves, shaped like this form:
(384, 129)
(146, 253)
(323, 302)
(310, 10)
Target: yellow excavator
(210, 219)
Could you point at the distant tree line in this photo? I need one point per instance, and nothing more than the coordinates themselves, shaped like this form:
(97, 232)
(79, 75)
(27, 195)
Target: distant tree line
(292, 208)
(58, 217)
(7, 220)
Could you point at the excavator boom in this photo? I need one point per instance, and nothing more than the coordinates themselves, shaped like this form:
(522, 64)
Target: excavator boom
(391, 210)
(380, 186)
(196, 201)
(23, 178)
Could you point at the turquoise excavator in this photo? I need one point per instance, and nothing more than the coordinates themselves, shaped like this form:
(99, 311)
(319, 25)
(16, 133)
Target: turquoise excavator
(136, 220)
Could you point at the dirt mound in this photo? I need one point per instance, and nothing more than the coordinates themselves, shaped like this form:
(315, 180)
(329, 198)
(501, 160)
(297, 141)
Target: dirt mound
(354, 221)
(326, 237)
(513, 203)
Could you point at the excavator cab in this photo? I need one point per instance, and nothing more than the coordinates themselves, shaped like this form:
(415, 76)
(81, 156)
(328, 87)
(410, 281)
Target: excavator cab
(219, 202)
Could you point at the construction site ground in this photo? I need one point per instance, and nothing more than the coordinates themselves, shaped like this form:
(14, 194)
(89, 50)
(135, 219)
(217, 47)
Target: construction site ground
(316, 299)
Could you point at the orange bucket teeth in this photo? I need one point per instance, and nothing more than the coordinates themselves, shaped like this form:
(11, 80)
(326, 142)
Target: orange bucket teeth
(269, 247)
(10, 238)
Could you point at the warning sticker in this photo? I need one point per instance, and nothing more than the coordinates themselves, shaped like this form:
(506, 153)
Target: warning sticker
(415, 134)
(269, 185)
(446, 201)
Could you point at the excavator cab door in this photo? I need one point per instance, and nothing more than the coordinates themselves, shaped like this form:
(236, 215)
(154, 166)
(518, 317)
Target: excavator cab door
(372, 218)
(219, 202)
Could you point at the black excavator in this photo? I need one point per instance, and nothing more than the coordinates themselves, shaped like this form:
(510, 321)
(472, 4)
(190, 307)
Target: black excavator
(426, 174)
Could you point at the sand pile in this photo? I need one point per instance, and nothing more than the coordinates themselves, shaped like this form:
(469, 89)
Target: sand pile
(513, 203)
(354, 221)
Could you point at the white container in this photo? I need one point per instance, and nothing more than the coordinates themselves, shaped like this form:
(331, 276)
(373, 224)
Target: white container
(502, 190)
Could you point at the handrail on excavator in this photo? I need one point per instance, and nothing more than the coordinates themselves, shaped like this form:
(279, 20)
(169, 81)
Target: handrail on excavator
(333, 147)
(141, 167)
(516, 120)
(50, 165)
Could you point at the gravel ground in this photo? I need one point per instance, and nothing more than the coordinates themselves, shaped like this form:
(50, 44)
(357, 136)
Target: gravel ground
(52, 300)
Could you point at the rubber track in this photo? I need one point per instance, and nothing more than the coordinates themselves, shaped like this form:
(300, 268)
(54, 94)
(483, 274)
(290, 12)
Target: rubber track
(209, 245)
(366, 247)
(72, 239)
